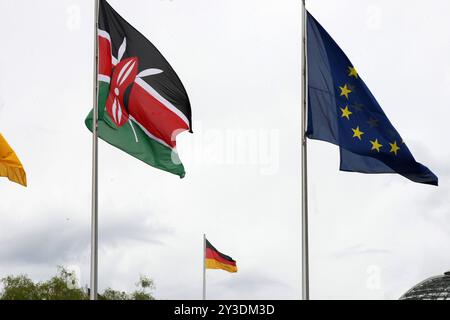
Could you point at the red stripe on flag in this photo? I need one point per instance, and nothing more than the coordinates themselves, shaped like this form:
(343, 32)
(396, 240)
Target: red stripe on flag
(105, 58)
(211, 254)
(154, 116)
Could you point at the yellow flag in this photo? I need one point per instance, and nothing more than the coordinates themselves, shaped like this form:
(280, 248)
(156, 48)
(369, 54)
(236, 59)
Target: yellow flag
(10, 165)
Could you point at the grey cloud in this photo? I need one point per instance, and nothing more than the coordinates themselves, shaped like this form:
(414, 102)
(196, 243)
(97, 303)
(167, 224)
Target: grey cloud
(358, 250)
(67, 239)
(251, 282)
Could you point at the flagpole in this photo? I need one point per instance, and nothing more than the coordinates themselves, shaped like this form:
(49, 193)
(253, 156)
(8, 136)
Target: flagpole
(94, 218)
(204, 266)
(305, 240)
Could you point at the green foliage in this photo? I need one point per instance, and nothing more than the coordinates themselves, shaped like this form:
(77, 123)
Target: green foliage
(64, 286)
(144, 285)
(110, 294)
(19, 288)
(143, 292)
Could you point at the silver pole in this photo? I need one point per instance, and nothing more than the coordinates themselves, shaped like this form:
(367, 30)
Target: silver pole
(204, 266)
(94, 219)
(305, 242)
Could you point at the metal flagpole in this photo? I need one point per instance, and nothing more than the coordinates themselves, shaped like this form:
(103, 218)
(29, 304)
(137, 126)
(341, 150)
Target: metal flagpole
(94, 221)
(204, 266)
(305, 244)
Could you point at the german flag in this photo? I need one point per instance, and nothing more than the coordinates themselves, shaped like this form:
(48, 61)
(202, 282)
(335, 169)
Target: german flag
(216, 260)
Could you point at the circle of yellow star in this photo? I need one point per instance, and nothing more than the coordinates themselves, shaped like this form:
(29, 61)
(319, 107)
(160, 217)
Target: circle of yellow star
(357, 133)
(346, 113)
(352, 72)
(345, 91)
(394, 147)
(376, 145)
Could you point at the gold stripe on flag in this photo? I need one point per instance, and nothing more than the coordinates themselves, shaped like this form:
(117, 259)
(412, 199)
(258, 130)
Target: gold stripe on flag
(214, 264)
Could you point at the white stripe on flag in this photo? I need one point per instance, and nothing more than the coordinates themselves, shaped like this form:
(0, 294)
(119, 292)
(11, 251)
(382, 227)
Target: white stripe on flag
(104, 34)
(104, 78)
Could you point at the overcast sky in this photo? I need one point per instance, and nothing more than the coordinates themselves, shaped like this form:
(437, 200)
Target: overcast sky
(371, 236)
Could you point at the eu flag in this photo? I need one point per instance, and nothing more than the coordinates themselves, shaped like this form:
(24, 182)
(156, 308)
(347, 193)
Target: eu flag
(342, 111)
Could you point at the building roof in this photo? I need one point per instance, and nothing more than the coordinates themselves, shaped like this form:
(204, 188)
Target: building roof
(434, 288)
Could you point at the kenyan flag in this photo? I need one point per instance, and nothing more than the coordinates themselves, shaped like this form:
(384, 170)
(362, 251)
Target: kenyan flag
(143, 105)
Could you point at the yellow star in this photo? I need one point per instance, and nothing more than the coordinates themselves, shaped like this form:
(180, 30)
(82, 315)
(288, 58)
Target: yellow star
(394, 147)
(345, 91)
(352, 72)
(357, 133)
(346, 113)
(376, 145)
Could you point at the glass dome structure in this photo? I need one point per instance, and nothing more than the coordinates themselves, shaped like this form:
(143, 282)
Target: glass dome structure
(434, 288)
